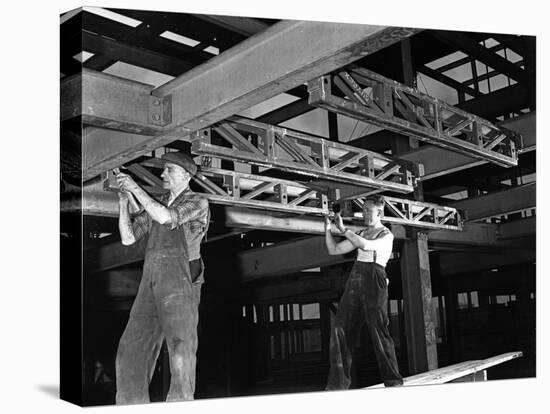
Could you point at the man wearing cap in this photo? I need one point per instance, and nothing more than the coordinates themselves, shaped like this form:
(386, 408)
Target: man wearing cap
(365, 297)
(166, 305)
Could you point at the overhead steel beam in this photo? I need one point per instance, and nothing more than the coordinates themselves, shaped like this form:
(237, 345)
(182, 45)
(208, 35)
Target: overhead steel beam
(284, 113)
(266, 261)
(439, 161)
(487, 75)
(280, 58)
(187, 25)
(388, 104)
(456, 263)
(112, 256)
(447, 80)
(134, 55)
(298, 255)
(518, 228)
(108, 101)
(501, 102)
(464, 60)
(311, 252)
(522, 45)
(304, 254)
(102, 148)
(245, 26)
(146, 35)
(499, 203)
(472, 48)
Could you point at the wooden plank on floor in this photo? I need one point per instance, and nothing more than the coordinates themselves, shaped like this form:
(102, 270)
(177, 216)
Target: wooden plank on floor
(453, 372)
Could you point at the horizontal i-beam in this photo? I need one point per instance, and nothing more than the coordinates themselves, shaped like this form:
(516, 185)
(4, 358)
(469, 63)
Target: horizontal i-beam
(509, 201)
(264, 262)
(280, 58)
(261, 262)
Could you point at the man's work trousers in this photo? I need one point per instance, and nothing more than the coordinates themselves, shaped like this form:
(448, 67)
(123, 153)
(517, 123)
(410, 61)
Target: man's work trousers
(365, 299)
(166, 306)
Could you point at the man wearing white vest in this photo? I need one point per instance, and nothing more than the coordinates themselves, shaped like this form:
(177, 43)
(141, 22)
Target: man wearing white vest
(365, 297)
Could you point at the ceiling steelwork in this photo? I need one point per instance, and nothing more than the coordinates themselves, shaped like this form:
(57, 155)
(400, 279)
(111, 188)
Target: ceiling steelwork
(154, 80)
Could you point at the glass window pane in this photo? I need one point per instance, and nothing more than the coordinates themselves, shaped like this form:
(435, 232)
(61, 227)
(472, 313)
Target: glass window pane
(474, 299)
(310, 311)
(296, 311)
(462, 301)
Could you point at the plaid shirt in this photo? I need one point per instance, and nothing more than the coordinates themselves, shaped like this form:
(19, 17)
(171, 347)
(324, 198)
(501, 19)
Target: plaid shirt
(189, 209)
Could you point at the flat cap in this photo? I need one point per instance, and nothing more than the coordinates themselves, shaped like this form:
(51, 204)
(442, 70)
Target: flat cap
(182, 159)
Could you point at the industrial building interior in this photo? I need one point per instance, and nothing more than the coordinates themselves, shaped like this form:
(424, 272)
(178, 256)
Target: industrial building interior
(288, 119)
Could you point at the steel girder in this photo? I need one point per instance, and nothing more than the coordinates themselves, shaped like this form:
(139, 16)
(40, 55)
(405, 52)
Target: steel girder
(508, 201)
(267, 193)
(417, 214)
(275, 147)
(370, 97)
(284, 56)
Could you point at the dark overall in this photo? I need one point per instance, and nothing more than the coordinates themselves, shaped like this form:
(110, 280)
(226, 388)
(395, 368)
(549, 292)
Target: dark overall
(365, 299)
(166, 306)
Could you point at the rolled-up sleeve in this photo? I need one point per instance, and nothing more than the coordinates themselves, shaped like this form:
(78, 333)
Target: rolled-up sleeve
(193, 209)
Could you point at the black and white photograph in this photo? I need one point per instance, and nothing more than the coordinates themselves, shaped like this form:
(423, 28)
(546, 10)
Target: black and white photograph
(275, 205)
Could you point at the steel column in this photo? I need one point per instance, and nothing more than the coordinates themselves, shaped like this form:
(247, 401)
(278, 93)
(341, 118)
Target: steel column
(417, 300)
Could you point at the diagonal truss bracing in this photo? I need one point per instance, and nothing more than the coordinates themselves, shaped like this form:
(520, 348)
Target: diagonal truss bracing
(276, 195)
(372, 98)
(416, 214)
(238, 189)
(269, 146)
(256, 191)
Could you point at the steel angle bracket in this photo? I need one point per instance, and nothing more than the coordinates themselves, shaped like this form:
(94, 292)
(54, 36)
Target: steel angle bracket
(244, 140)
(415, 213)
(369, 97)
(160, 110)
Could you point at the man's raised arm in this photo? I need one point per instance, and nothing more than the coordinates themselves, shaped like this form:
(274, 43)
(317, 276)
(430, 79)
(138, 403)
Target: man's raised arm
(124, 222)
(333, 247)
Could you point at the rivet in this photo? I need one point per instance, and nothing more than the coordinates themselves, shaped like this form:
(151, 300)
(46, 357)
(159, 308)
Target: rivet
(156, 117)
(156, 102)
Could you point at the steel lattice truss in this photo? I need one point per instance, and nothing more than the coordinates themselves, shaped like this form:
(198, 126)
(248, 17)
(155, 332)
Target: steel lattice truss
(273, 194)
(415, 213)
(372, 98)
(266, 145)
(236, 189)
(256, 191)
